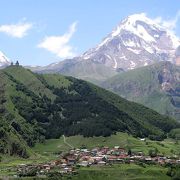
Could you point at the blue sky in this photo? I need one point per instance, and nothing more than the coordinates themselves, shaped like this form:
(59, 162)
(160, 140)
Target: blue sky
(45, 31)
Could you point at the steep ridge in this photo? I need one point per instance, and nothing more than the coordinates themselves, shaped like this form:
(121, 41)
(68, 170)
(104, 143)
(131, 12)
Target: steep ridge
(156, 86)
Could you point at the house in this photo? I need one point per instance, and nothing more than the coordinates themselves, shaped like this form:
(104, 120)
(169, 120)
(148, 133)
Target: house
(112, 159)
(84, 163)
(71, 161)
(69, 169)
(122, 156)
(97, 158)
(55, 163)
(95, 150)
(84, 150)
(63, 160)
(116, 147)
(148, 159)
(47, 167)
(178, 161)
(101, 163)
(63, 165)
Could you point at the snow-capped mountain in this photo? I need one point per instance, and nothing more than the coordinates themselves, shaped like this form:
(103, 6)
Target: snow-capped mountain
(4, 61)
(137, 41)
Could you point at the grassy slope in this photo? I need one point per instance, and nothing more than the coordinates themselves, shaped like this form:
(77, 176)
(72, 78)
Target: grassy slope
(114, 172)
(122, 104)
(31, 81)
(93, 72)
(142, 86)
(122, 171)
(26, 77)
(35, 85)
(48, 150)
(167, 147)
(140, 112)
(87, 70)
(56, 145)
(11, 137)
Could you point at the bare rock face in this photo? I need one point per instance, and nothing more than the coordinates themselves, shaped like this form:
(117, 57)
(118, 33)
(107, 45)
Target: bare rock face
(137, 41)
(178, 56)
(156, 86)
(168, 78)
(170, 84)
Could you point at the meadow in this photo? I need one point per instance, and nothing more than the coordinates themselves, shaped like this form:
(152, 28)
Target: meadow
(50, 149)
(167, 147)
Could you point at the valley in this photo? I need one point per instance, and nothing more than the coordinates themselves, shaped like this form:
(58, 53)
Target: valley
(35, 107)
(40, 107)
(127, 153)
(77, 106)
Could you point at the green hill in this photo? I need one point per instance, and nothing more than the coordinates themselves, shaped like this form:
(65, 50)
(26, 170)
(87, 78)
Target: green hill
(87, 70)
(156, 86)
(36, 107)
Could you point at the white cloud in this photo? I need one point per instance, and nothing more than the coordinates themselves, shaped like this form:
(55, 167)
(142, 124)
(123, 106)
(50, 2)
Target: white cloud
(59, 45)
(170, 24)
(18, 30)
(171, 27)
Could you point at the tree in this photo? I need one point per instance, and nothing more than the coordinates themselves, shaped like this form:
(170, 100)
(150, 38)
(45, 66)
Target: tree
(129, 152)
(153, 152)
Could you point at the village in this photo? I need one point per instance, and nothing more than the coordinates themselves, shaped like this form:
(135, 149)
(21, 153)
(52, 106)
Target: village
(68, 163)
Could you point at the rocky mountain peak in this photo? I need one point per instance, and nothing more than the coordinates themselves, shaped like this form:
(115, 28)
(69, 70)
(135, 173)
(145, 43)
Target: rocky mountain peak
(137, 41)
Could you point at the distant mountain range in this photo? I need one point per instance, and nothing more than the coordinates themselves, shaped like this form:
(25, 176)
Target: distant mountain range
(156, 86)
(136, 42)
